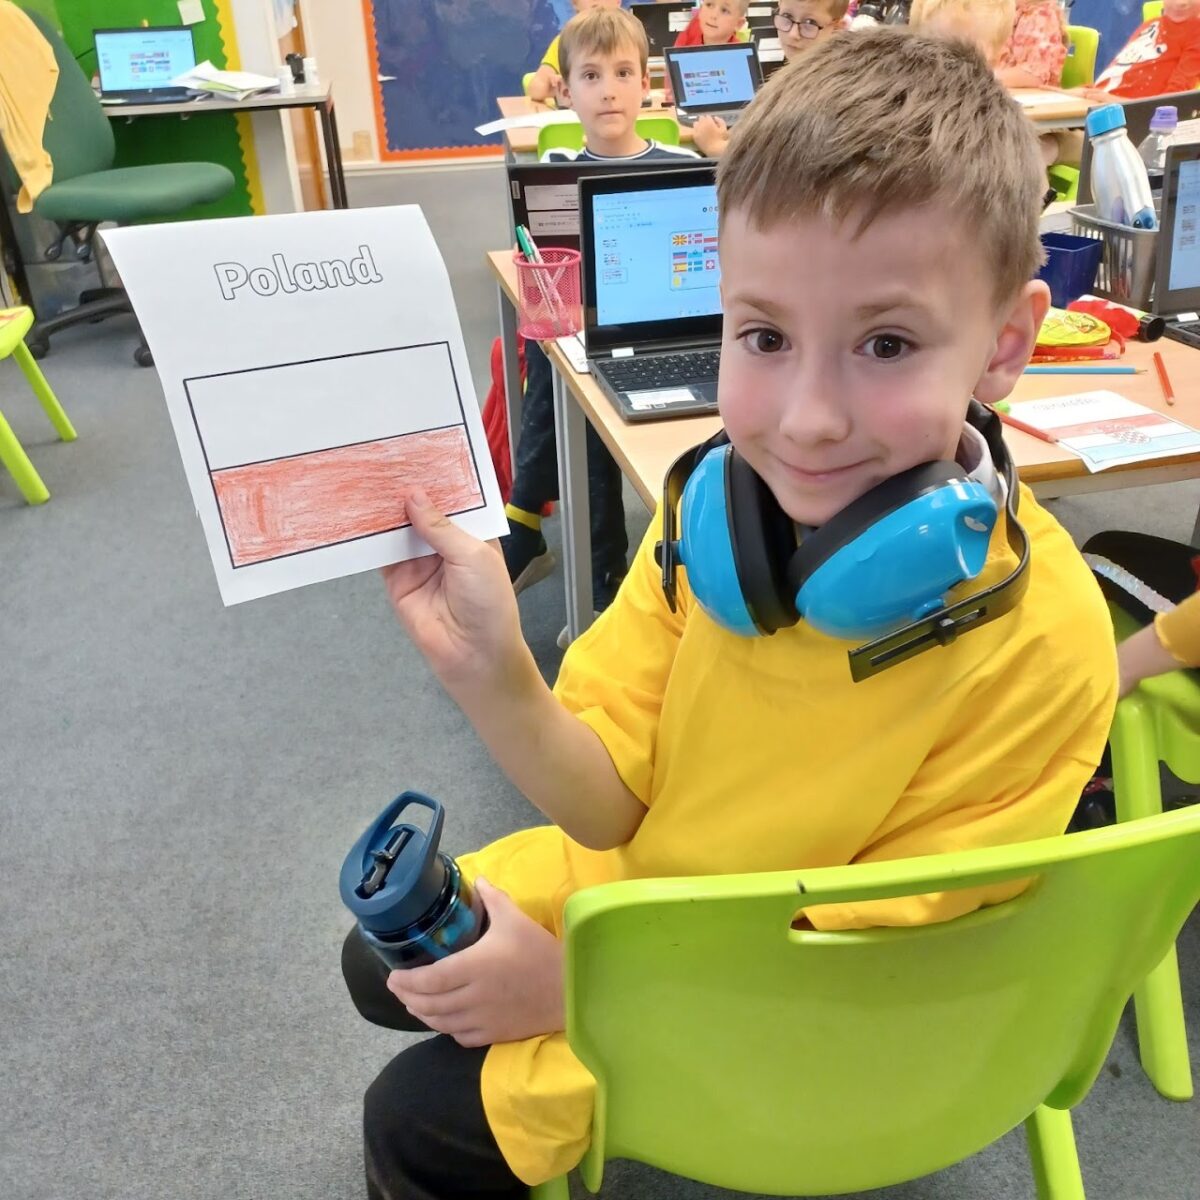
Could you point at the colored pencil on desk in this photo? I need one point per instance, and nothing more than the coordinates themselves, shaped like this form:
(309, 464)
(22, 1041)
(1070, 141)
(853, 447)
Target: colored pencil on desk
(1032, 430)
(1082, 369)
(1164, 381)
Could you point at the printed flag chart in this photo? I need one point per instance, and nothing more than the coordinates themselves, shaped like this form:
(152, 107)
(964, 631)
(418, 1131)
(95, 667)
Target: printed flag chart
(314, 370)
(693, 258)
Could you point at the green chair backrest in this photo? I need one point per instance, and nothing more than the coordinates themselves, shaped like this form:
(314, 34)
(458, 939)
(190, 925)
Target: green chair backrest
(1079, 67)
(569, 134)
(1151, 9)
(78, 136)
(731, 1048)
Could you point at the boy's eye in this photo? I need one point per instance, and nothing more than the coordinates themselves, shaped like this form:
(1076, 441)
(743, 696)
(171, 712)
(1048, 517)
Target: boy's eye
(885, 346)
(764, 341)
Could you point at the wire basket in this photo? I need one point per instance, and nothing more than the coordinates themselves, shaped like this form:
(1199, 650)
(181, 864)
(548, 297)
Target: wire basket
(548, 294)
(1126, 271)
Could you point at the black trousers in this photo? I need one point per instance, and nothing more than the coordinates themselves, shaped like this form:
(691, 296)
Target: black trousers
(425, 1135)
(535, 473)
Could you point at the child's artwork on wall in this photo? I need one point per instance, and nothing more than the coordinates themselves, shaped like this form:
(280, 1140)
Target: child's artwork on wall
(314, 369)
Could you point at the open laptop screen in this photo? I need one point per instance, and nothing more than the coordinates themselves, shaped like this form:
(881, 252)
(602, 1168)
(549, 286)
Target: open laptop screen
(651, 269)
(142, 59)
(663, 23)
(1177, 270)
(714, 77)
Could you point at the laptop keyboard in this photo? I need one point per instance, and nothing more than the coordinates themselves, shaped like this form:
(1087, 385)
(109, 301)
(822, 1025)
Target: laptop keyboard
(1187, 332)
(662, 370)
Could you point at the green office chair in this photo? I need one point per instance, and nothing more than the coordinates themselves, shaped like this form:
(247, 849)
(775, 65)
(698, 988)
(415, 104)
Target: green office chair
(1079, 67)
(1159, 721)
(568, 135)
(731, 1048)
(87, 190)
(1151, 9)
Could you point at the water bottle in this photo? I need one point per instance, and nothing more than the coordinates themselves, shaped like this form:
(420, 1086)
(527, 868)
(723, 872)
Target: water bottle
(411, 902)
(1154, 146)
(1120, 184)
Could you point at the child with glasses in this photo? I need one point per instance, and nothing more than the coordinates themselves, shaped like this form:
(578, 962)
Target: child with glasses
(802, 24)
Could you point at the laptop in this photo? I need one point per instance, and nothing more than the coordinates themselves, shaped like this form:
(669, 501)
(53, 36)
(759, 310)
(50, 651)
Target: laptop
(651, 303)
(1177, 266)
(713, 80)
(770, 50)
(136, 66)
(760, 16)
(544, 197)
(663, 23)
(1137, 126)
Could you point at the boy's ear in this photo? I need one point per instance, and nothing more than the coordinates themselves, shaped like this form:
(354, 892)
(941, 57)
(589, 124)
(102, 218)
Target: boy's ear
(646, 82)
(564, 92)
(1015, 341)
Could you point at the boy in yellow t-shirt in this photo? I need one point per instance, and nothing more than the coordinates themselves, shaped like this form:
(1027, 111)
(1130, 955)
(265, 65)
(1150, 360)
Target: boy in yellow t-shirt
(876, 274)
(547, 78)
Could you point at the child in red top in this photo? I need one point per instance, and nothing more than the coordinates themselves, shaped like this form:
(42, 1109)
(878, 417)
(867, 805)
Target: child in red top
(1162, 56)
(714, 23)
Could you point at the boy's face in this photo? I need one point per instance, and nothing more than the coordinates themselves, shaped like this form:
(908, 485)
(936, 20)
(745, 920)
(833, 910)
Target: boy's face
(719, 21)
(1181, 10)
(811, 23)
(606, 90)
(848, 359)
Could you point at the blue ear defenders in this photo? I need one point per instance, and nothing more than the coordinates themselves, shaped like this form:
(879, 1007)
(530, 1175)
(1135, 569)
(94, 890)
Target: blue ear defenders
(877, 572)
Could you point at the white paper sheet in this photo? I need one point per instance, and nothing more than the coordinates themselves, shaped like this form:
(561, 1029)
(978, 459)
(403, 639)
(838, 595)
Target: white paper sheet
(531, 120)
(1037, 97)
(313, 367)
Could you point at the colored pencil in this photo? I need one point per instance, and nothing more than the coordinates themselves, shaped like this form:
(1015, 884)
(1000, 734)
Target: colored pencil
(1164, 381)
(1032, 430)
(1082, 369)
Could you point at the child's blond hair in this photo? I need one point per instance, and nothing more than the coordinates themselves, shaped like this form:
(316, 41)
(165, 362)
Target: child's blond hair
(991, 20)
(884, 120)
(600, 31)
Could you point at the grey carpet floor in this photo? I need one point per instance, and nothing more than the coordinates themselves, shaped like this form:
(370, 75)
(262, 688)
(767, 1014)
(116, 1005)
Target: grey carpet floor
(178, 785)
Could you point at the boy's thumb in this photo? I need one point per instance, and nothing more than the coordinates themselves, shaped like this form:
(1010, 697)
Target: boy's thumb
(444, 537)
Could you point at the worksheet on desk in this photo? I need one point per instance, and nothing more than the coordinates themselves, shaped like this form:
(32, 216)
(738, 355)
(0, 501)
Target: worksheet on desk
(314, 369)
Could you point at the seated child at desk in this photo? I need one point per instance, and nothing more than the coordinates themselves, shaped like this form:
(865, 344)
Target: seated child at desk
(545, 81)
(877, 264)
(1037, 46)
(715, 23)
(986, 24)
(1161, 57)
(603, 55)
(802, 24)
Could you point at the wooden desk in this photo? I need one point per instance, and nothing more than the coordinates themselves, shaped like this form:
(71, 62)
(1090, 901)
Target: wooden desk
(644, 451)
(1064, 111)
(520, 145)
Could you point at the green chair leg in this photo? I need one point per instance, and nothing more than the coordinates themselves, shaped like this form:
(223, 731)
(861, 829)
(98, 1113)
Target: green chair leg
(13, 456)
(41, 389)
(1158, 1001)
(1053, 1155)
(555, 1189)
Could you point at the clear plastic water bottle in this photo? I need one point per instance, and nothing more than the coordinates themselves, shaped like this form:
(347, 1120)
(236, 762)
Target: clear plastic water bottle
(1155, 144)
(1120, 184)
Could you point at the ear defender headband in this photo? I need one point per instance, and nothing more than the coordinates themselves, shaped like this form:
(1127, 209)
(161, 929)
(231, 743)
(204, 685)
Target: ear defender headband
(877, 572)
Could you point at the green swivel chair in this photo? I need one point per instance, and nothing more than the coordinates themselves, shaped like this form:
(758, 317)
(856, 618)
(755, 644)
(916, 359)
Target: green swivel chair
(87, 190)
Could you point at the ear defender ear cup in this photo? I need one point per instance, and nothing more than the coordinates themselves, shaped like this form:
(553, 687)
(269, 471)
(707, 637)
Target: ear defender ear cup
(891, 556)
(734, 542)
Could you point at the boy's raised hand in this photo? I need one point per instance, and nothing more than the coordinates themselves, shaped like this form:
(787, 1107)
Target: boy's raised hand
(456, 604)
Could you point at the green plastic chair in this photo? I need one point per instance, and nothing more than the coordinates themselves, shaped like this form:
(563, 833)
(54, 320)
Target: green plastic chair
(1079, 67)
(735, 1050)
(15, 323)
(1151, 9)
(569, 134)
(87, 190)
(1159, 721)
(1064, 180)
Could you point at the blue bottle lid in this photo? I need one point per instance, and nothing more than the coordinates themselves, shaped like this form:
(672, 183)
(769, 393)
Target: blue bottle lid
(1104, 119)
(394, 875)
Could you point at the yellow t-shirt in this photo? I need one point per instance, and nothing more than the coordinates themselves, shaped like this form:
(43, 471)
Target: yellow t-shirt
(761, 754)
(550, 58)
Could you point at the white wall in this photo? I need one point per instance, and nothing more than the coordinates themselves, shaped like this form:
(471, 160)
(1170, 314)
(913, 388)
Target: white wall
(336, 36)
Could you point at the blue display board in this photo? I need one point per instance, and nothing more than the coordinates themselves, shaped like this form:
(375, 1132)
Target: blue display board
(1114, 19)
(442, 63)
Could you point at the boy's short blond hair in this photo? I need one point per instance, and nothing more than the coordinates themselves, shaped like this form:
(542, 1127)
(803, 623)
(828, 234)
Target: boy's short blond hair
(600, 31)
(883, 120)
(991, 20)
